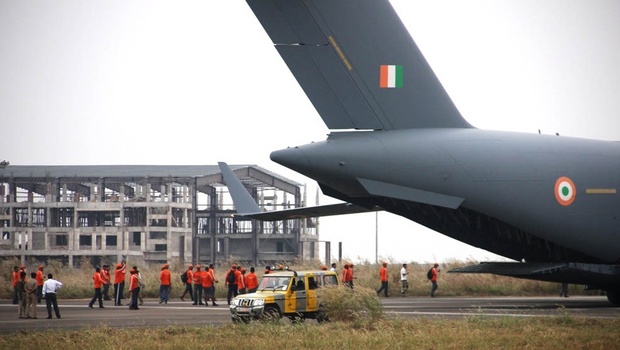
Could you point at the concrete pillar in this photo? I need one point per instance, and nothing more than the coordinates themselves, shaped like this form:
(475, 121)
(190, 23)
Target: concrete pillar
(64, 192)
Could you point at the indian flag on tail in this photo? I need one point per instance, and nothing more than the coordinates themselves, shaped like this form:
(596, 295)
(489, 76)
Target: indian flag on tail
(391, 76)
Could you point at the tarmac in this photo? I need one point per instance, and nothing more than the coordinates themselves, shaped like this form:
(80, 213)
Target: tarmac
(75, 314)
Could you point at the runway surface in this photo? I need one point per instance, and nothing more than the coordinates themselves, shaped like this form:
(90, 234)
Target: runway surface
(76, 315)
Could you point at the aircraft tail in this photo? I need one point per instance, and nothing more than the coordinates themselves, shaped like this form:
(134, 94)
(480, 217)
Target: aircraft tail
(358, 64)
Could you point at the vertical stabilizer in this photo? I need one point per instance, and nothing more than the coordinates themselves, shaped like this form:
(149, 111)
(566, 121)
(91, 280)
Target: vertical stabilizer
(244, 203)
(358, 64)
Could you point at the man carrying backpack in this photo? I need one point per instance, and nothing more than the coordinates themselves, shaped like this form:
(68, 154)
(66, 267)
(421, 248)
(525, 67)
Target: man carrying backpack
(187, 278)
(231, 282)
(434, 271)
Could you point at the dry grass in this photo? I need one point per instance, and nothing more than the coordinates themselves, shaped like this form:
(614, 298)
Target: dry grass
(78, 281)
(473, 333)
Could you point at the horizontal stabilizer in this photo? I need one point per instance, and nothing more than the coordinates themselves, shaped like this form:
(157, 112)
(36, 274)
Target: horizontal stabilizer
(600, 275)
(310, 212)
(512, 269)
(247, 207)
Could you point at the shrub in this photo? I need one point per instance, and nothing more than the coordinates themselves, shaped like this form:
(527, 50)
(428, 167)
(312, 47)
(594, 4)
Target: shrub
(349, 305)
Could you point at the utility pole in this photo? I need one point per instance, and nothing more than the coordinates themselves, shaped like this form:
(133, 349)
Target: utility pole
(376, 237)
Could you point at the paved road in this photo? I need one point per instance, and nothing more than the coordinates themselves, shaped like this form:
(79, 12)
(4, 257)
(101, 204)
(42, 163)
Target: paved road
(76, 315)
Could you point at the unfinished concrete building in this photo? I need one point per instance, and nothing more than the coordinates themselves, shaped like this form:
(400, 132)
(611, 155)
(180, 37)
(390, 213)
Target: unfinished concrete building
(147, 214)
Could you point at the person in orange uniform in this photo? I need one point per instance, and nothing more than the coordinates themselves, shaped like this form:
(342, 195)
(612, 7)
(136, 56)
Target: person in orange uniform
(351, 277)
(15, 275)
(39, 284)
(240, 280)
(119, 282)
(212, 272)
(251, 281)
(188, 283)
(383, 276)
(97, 283)
(105, 277)
(208, 286)
(165, 286)
(134, 289)
(198, 286)
(434, 271)
(347, 276)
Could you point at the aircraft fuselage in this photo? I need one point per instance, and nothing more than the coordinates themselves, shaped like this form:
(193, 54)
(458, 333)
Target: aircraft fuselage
(560, 190)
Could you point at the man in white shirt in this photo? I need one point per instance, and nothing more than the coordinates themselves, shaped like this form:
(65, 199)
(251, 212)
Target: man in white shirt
(403, 280)
(50, 287)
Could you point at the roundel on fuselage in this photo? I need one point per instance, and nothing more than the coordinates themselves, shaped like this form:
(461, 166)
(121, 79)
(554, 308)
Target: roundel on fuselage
(565, 191)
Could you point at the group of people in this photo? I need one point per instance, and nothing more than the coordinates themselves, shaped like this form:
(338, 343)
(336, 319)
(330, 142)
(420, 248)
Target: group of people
(28, 293)
(102, 279)
(200, 284)
(404, 283)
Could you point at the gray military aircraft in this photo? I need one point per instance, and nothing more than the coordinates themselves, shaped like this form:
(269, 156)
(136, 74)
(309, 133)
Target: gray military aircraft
(399, 144)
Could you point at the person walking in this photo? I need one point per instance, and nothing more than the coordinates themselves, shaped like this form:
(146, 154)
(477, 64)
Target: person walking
(208, 286)
(39, 284)
(165, 285)
(119, 282)
(50, 288)
(189, 278)
(22, 300)
(215, 280)
(97, 283)
(383, 277)
(564, 290)
(403, 280)
(32, 289)
(140, 284)
(134, 289)
(198, 286)
(212, 272)
(434, 271)
(251, 281)
(105, 277)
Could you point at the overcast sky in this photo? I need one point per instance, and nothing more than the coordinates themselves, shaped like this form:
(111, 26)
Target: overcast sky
(197, 82)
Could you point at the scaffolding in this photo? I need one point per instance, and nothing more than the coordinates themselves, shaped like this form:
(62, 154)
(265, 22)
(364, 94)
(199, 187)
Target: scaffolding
(151, 214)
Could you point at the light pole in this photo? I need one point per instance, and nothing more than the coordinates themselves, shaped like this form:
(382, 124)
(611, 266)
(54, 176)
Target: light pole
(376, 237)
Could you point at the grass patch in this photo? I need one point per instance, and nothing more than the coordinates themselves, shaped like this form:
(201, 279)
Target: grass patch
(472, 333)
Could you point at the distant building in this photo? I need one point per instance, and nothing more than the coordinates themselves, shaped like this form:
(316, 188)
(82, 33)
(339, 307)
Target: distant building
(147, 214)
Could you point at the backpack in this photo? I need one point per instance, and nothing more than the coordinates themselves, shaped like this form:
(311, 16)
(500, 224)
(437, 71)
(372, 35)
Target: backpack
(231, 278)
(184, 277)
(429, 274)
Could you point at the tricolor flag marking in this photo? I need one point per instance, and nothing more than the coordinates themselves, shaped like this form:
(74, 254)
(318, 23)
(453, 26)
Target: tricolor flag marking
(391, 76)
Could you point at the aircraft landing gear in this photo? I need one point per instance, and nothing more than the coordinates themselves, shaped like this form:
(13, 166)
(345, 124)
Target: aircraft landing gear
(614, 297)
